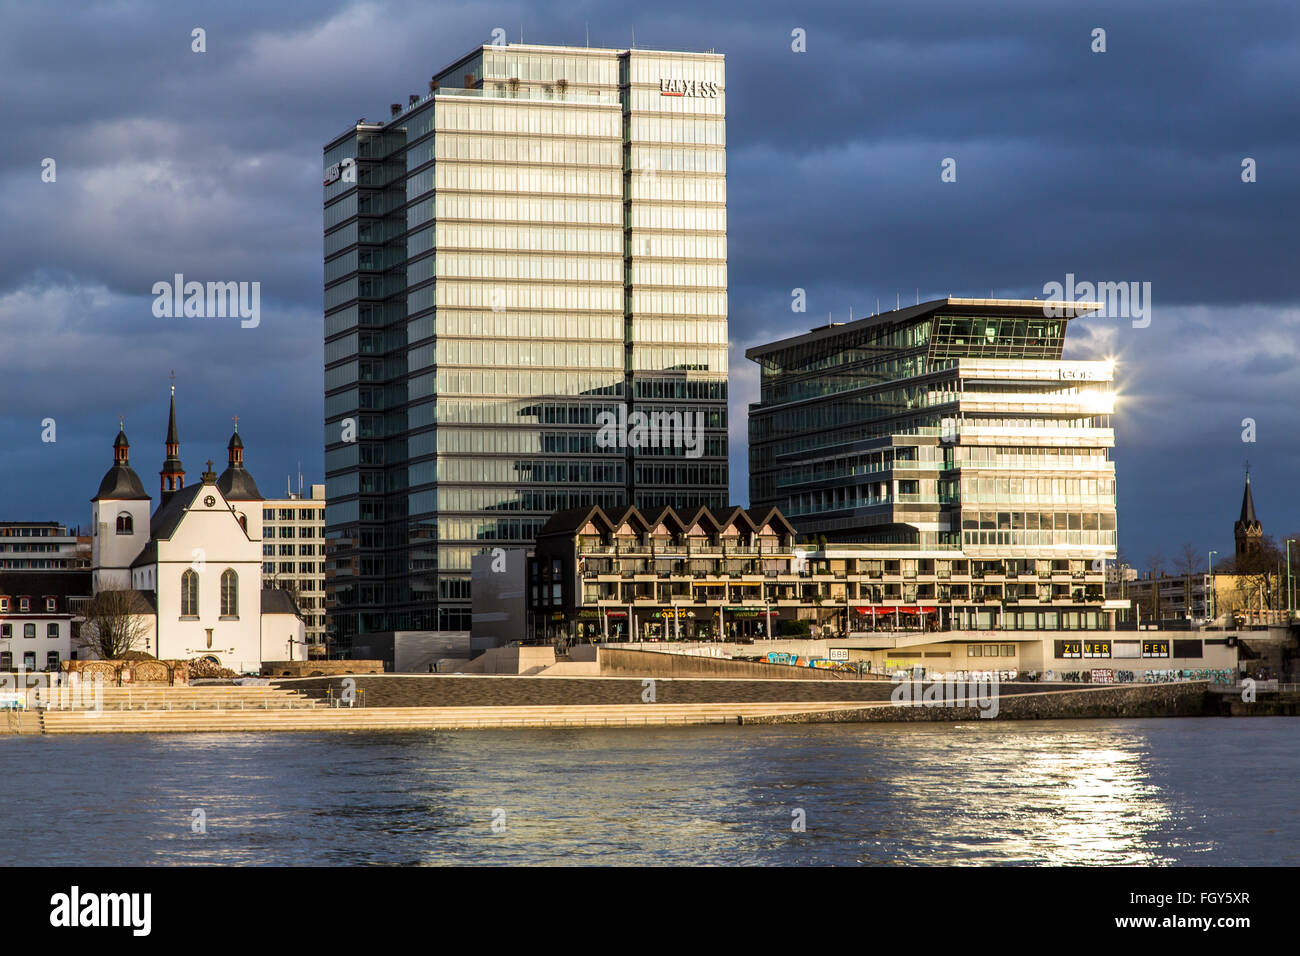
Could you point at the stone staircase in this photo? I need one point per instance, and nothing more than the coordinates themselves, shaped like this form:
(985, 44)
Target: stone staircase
(323, 718)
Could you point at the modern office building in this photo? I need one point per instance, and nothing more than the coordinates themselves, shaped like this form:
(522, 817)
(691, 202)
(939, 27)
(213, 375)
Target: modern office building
(42, 546)
(949, 429)
(537, 241)
(293, 555)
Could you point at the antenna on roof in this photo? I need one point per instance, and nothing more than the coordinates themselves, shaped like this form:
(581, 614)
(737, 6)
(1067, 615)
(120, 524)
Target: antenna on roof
(634, 38)
(918, 295)
(877, 305)
(588, 25)
(897, 304)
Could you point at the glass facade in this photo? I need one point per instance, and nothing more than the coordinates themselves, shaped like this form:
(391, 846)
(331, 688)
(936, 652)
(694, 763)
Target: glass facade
(953, 424)
(536, 244)
(955, 432)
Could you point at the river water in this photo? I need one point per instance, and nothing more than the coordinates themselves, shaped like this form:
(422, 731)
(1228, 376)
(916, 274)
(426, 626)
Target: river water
(1144, 792)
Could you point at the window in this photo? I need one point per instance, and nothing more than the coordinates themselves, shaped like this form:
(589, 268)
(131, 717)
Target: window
(52, 630)
(29, 660)
(24, 604)
(1008, 650)
(29, 631)
(125, 523)
(6, 631)
(990, 650)
(49, 605)
(52, 660)
(6, 661)
(189, 593)
(4, 604)
(974, 650)
(229, 593)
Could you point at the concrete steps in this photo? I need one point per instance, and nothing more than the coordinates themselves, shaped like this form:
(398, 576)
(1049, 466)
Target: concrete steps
(418, 718)
(171, 699)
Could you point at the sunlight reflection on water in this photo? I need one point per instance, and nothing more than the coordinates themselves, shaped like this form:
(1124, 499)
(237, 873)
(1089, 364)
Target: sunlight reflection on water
(1144, 792)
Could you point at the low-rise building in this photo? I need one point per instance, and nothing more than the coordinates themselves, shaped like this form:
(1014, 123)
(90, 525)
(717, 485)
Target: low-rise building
(42, 546)
(40, 612)
(737, 573)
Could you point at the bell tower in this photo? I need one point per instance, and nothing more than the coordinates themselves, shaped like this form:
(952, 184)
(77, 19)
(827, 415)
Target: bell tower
(1247, 530)
(172, 477)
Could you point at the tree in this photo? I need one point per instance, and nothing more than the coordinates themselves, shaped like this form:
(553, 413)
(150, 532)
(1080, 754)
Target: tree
(116, 622)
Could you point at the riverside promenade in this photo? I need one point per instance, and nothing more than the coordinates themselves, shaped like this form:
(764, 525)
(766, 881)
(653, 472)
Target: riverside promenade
(454, 702)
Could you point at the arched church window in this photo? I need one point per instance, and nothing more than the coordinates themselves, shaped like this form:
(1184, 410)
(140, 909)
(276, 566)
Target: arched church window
(189, 593)
(229, 593)
(125, 523)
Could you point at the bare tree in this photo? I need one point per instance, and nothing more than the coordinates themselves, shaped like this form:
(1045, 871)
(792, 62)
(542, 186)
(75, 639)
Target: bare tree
(116, 622)
(1188, 561)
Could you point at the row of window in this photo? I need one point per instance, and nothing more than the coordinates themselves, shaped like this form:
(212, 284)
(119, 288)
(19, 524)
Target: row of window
(29, 660)
(29, 631)
(24, 604)
(229, 593)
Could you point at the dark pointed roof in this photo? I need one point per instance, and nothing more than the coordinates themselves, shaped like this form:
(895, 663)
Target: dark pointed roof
(235, 441)
(1248, 505)
(120, 441)
(279, 601)
(173, 436)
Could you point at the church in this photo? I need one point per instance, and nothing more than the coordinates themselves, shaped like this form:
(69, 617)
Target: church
(196, 560)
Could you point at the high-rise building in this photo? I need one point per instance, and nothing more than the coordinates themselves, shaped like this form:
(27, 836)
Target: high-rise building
(952, 429)
(293, 556)
(533, 246)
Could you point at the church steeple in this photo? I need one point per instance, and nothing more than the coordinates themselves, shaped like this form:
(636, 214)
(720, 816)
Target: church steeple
(172, 477)
(1248, 531)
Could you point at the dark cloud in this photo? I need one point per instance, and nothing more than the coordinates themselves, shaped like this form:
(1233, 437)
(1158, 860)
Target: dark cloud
(1115, 166)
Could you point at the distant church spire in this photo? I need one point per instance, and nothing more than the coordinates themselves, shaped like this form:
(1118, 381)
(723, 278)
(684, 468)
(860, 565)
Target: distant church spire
(172, 477)
(1248, 531)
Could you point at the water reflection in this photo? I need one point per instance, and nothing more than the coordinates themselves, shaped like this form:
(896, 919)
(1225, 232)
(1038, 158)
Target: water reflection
(1148, 792)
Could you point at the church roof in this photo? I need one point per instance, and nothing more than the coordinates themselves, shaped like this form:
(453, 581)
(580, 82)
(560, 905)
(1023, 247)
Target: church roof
(149, 555)
(122, 483)
(237, 484)
(168, 515)
(1248, 505)
(173, 433)
(278, 601)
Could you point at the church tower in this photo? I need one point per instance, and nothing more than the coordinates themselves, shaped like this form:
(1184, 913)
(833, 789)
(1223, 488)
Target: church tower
(239, 488)
(1248, 532)
(172, 477)
(120, 521)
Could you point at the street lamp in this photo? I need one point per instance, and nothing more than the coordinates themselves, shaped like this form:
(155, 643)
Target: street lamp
(1212, 616)
(1290, 595)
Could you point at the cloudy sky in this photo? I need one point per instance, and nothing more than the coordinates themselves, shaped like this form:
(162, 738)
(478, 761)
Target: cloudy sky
(1117, 166)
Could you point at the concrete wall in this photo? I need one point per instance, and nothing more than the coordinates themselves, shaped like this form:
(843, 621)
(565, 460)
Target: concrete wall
(305, 668)
(499, 591)
(1130, 700)
(449, 690)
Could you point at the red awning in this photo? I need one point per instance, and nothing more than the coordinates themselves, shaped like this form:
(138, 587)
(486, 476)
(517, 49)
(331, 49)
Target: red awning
(880, 609)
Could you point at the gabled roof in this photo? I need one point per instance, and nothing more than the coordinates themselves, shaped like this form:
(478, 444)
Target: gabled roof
(770, 516)
(279, 601)
(570, 520)
(168, 516)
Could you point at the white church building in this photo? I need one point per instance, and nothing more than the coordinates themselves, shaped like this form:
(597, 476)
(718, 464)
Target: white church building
(196, 560)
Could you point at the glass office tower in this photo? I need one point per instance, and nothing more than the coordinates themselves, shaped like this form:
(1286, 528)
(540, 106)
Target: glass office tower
(952, 433)
(536, 240)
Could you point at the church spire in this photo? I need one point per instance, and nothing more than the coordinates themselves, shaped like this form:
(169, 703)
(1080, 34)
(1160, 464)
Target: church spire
(172, 477)
(1248, 532)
